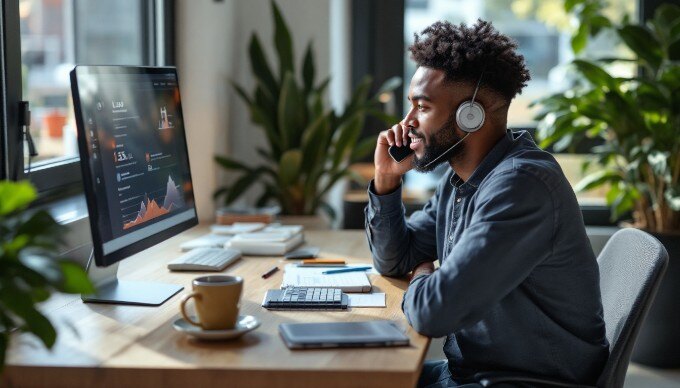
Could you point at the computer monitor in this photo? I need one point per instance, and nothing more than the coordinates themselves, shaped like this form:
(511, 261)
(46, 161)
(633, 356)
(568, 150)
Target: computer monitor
(135, 167)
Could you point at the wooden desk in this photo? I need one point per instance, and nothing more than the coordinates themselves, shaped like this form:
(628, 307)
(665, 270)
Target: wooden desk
(107, 345)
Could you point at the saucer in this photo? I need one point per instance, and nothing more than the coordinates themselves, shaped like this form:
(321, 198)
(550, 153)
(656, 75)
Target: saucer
(244, 324)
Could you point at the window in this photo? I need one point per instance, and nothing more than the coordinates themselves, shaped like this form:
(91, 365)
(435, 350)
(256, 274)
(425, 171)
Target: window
(542, 30)
(51, 37)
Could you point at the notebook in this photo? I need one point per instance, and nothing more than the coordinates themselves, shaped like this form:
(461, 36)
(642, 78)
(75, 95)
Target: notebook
(342, 334)
(294, 276)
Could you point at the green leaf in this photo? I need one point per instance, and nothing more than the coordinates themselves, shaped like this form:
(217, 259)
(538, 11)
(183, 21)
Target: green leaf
(241, 92)
(15, 196)
(348, 135)
(308, 68)
(672, 196)
(595, 74)
(290, 113)
(289, 167)
(231, 164)
(313, 154)
(283, 42)
(242, 184)
(643, 43)
(674, 50)
(570, 4)
(21, 304)
(329, 210)
(363, 149)
(580, 38)
(667, 14)
(75, 280)
(260, 67)
(597, 179)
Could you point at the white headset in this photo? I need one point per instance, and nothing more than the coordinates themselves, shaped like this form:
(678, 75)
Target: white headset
(470, 114)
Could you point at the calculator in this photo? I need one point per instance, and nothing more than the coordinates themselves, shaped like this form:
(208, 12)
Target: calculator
(306, 298)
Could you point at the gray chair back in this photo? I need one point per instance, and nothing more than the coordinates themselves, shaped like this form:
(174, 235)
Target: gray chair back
(631, 264)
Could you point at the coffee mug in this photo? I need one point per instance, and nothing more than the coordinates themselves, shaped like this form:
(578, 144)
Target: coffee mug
(217, 301)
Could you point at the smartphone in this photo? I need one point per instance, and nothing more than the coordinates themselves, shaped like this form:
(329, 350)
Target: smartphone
(400, 153)
(304, 253)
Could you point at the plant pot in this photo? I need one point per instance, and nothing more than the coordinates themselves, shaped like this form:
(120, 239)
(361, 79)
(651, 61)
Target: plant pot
(315, 222)
(658, 343)
(54, 123)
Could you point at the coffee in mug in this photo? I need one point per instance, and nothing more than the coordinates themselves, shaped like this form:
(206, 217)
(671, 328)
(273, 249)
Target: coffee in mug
(217, 301)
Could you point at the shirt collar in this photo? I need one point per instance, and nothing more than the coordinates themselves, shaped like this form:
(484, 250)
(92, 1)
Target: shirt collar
(490, 161)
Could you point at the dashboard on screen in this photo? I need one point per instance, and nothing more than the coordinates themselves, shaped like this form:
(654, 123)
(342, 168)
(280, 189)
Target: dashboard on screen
(134, 158)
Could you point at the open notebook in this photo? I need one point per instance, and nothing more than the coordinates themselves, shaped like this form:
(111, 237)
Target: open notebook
(295, 276)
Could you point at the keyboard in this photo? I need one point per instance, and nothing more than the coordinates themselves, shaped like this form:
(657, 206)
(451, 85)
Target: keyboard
(306, 298)
(205, 259)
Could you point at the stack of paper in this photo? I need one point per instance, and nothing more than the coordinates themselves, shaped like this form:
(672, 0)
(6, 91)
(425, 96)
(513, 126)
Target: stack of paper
(271, 241)
(295, 276)
(237, 227)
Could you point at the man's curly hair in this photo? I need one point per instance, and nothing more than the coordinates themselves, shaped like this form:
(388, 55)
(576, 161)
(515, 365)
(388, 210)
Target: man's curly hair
(464, 52)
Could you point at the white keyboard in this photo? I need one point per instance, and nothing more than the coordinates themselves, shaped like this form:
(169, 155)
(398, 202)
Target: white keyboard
(205, 259)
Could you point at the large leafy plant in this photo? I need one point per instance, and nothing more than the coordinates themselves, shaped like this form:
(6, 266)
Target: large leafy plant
(309, 147)
(637, 118)
(29, 267)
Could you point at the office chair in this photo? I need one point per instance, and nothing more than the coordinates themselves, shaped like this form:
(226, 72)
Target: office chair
(632, 265)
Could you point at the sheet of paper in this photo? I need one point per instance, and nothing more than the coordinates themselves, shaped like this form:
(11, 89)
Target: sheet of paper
(294, 276)
(367, 300)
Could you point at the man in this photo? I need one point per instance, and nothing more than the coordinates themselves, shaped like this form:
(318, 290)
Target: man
(517, 288)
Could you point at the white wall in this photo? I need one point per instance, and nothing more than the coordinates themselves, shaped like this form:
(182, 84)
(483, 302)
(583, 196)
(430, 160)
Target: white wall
(212, 48)
(205, 43)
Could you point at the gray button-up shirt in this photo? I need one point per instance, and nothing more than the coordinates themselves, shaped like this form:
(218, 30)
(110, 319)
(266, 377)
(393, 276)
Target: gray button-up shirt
(518, 283)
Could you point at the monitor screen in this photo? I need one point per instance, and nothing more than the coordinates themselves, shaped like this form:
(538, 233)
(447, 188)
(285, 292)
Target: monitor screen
(134, 159)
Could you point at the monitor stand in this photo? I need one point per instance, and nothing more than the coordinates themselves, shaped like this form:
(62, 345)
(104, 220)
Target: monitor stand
(112, 290)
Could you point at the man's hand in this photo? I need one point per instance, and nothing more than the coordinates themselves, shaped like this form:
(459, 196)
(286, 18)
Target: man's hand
(425, 268)
(388, 173)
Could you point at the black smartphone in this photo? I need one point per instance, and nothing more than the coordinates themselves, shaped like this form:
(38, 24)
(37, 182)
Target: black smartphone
(304, 253)
(400, 153)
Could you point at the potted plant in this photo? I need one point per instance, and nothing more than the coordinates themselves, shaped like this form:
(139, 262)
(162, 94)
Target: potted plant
(29, 267)
(638, 121)
(309, 147)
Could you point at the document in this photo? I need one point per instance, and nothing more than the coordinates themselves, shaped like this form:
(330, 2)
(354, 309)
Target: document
(295, 276)
(376, 299)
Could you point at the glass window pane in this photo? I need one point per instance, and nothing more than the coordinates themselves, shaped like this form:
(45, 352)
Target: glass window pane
(542, 29)
(543, 32)
(56, 35)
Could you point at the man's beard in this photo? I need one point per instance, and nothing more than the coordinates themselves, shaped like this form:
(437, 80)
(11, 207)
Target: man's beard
(439, 146)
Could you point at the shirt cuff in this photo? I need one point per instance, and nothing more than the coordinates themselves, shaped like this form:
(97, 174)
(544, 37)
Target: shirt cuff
(384, 204)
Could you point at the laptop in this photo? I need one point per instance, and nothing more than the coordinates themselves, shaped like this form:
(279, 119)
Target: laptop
(342, 335)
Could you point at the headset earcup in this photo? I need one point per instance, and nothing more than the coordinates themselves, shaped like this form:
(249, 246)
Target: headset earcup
(470, 116)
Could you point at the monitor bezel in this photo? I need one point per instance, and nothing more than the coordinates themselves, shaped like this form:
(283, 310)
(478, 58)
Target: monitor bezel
(101, 259)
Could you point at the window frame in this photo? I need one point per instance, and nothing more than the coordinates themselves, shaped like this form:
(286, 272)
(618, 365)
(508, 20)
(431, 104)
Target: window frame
(62, 176)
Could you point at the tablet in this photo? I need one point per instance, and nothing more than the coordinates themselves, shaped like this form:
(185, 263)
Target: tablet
(342, 334)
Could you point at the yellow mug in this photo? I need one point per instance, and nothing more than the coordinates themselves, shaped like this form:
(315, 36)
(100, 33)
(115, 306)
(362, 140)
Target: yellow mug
(217, 301)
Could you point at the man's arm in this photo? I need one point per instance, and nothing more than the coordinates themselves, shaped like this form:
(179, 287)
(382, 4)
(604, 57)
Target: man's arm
(398, 246)
(510, 233)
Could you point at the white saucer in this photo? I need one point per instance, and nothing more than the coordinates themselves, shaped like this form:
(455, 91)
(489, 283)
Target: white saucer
(244, 324)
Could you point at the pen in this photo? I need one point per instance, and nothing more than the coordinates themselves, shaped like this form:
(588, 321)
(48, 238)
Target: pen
(352, 269)
(270, 272)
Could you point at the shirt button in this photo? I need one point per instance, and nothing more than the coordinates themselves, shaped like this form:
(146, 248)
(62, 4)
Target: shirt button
(457, 200)
(451, 237)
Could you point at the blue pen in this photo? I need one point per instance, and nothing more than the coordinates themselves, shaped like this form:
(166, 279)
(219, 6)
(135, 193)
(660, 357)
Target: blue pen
(352, 269)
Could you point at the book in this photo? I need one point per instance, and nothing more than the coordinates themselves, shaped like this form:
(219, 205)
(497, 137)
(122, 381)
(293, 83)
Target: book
(230, 215)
